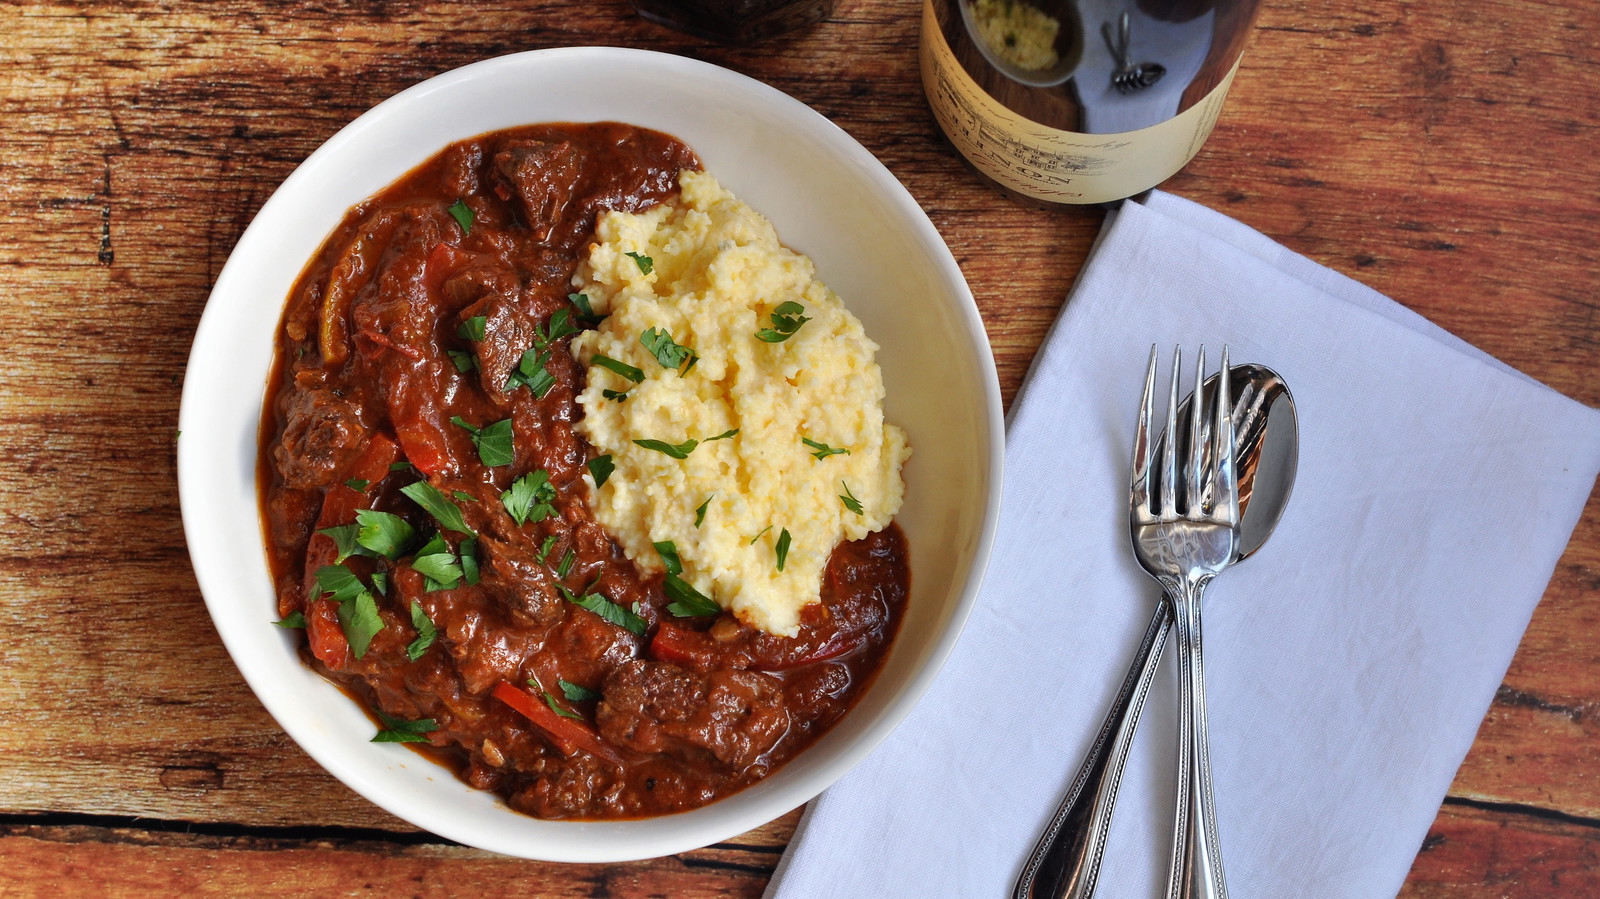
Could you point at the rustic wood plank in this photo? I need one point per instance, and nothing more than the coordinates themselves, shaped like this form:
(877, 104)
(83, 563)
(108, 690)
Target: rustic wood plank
(1442, 157)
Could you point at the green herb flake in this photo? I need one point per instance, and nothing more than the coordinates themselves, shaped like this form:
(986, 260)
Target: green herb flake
(686, 601)
(617, 395)
(822, 449)
(586, 314)
(545, 547)
(426, 633)
(401, 466)
(849, 499)
(495, 443)
(532, 374)
(608, 610)
(380, 583)
(344, 541)
(667, 352)
(560, 325)
(358, 484)
(550, 700)
(469, 562)
(622, 368)
(758, 536)
(463, 360)
(447, 513)
(339, 583)
(292, 620)
(438, 565)
(360, 621)
(530, 497)
(473, 328)
(676, 451)
(383, 533)
(723, 436)
(462, 213)
(399, 730)
(645, 263)
(600, 468)
(786, 319)
(700, 513)
(575, 692)
(669, 556)
(564, 567)
(782, 548)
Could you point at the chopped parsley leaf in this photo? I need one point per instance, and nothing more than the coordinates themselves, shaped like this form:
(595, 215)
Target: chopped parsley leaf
(426, 633)
(464, 361)
(586, 314)
(758, 536)
(822, 449)
(344, 540)
(618, 395)
(462, 213)
(447, 513)
(786, 319)
(575, 692)
(357, 484)
(687, 602)
(676, 451)
(559, 326)
(564, 567)
(782, 548)
(545, 547)
(359, 620)
(530, 497)
(439, 566)
(849, 499)
(472, 329)
(399, 730)
(292, 620)
(387, 535)
(700, 513)
(645, 263)
(605, 608)
(600, 468)
(622, 368)
(667, 352)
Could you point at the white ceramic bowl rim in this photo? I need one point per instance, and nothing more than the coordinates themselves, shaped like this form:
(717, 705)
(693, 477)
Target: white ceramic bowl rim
(219, 416)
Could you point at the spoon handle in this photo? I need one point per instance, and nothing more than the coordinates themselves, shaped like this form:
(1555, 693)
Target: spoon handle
(1066, 861)
(1196, 871)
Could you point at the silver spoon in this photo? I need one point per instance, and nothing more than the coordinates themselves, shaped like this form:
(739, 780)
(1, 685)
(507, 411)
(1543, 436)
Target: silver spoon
(1066, 862)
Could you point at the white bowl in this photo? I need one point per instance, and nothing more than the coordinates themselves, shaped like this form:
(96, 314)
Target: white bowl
(828, 197)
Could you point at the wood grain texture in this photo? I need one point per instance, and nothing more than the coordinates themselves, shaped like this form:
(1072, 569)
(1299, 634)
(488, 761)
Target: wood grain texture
(1444, 156)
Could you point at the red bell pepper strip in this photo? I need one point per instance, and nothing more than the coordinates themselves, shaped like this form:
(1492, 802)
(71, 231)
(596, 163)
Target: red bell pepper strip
(567, 734)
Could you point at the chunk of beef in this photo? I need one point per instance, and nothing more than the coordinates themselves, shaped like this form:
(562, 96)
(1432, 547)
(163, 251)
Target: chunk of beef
(322, 432)
(538, 178)
(734, 717)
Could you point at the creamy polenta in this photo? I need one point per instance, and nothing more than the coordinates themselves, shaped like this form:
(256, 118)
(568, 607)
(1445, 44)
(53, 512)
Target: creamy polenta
(739, 403)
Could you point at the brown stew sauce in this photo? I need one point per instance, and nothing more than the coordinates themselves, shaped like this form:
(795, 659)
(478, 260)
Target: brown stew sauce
(549, 704)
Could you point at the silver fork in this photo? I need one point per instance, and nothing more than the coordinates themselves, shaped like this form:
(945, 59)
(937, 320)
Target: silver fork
(1183, 548)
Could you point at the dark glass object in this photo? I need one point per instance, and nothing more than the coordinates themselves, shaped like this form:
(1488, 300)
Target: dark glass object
(735, 21)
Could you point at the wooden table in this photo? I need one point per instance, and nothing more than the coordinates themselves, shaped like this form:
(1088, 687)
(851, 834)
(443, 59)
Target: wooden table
(1441, 153)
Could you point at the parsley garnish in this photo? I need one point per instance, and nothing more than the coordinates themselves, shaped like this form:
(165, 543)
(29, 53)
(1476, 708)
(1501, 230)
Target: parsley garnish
(447, 513)
(622, 368)
(564, 567)
(530, 372)
(380, 583)
(786, 319)
(357, 484)
(559, 326)
(425, 632)
(545, 547)
(605, 608)
(575, 692)
(758, 536)
(462, 213)
(494, 441)
(550, 700)
(849, 499)
(473, 328)
(723, 436)
(669, 556)
(469, 561)
(822, 449)
(344, 540)
(438, 565)
(292, 620)
(530, 497)
(358, 611)
(586, 315)
(387, 535)
(670, 354)
(782, 548)
(676, 451)
(700, 513)
(645, 263)
(600, 468)
(398, 730)
(464, 361)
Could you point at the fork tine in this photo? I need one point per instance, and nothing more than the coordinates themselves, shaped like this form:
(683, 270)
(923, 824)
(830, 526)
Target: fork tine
(1169, 469)
(1194, 471)
(1140, 498)
(1227, 486)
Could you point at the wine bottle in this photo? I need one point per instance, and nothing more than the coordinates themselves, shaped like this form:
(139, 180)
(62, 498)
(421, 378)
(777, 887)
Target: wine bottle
(1080, 101)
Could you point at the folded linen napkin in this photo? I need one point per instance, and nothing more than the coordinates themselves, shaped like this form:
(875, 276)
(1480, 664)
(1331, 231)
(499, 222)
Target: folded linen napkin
(1348, 663)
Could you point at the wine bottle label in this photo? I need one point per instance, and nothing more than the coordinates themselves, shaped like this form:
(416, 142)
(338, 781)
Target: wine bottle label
(1047, 163)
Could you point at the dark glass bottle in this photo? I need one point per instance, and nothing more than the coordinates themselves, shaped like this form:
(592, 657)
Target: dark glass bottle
(1080, 101)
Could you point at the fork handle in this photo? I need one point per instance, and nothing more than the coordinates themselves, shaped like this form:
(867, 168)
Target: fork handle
(1196, 853)
(1066, 861)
